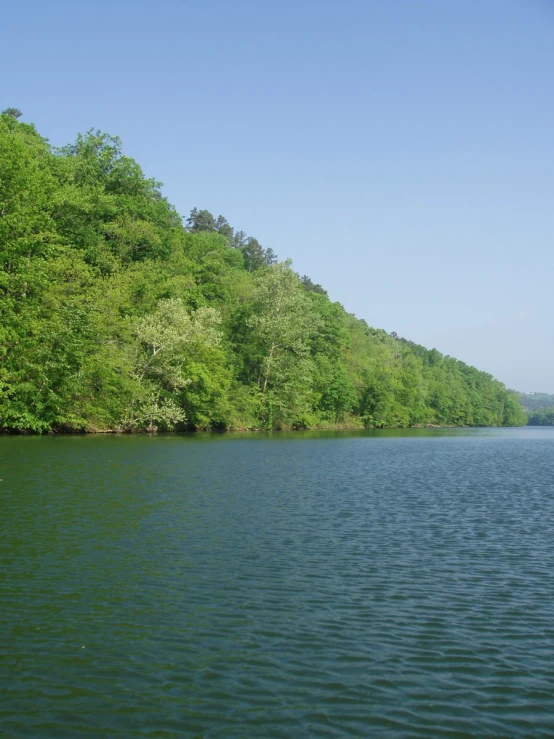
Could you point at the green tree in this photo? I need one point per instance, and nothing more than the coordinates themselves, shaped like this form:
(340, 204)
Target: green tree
(282, 325)
(254, 255)
(162, 339)
(200, 220)
(115, 315)
(312, 286)
(12, 113)
(542, 417)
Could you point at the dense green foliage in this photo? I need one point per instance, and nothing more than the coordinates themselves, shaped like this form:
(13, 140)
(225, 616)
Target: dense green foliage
(116, 316)
(536, 401)
(542, 417)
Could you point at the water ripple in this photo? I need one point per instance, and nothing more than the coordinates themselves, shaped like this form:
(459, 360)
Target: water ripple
(329, 587)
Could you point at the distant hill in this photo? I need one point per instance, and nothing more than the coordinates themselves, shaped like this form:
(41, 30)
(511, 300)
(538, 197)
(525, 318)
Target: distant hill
(541, 417)
(535, 401)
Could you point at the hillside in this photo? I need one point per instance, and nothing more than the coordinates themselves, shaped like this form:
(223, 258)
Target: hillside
(542, 417)
(115, 315)
(536, 401)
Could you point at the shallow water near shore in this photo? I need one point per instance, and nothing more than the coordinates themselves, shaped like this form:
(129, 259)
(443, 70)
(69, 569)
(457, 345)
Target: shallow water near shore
(317, 584)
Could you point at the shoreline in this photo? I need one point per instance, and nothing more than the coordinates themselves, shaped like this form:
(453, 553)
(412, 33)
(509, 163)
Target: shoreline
(287, 429)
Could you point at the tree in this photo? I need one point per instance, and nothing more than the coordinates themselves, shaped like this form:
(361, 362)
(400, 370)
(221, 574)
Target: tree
(238, 240)
(200, 220)
(162, 338)
(310, 286)
(542, 417)
(270, 257)
(12, 113)
(254, 257)
(222, 227)
(114, 315)
(282, 325)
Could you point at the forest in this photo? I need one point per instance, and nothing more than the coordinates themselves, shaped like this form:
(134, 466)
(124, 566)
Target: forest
(536, 401)
(118, 315)
(539, 408)
(541, 417)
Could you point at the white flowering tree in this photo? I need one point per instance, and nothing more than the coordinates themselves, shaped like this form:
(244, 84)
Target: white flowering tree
(162, 339)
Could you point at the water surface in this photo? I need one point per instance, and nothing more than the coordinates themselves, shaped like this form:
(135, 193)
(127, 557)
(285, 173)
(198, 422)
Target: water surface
(383, 584)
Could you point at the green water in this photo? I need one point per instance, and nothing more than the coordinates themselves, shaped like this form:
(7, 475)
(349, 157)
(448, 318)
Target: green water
(385, 584)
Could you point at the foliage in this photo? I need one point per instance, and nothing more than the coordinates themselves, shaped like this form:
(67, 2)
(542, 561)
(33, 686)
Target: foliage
(116, 316)
(281, 325)
(542, 417)
(535, 401)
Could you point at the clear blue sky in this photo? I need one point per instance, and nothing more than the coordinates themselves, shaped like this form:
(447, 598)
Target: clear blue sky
(401, 152)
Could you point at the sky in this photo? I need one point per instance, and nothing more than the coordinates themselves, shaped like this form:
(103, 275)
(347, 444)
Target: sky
(400, 152)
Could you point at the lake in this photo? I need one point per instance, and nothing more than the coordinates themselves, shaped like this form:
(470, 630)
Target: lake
(371, 584)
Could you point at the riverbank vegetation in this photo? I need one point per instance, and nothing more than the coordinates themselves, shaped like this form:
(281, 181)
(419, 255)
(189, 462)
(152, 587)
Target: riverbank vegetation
(116, 315)
(536, 401)
(539, 408)
(541, 417)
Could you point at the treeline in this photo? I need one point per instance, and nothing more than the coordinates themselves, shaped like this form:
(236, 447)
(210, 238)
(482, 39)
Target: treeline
(116, 315)
(535, 401)
(541, 417)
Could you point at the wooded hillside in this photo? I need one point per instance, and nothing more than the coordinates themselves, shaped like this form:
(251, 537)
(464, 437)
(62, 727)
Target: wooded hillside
(116, 315)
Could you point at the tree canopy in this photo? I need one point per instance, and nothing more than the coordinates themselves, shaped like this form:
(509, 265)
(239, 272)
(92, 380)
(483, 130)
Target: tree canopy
(116, 315)
(542, 417)
(536, 401)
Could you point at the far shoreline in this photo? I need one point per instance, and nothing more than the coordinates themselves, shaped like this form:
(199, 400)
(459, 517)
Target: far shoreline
(239, 430)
